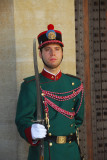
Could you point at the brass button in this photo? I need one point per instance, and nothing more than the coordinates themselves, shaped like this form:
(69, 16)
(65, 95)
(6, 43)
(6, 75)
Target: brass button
(42, 94)
(74, 100)
(72, 108)
(69, 142)
(52, 77)
(73, 83)
(50, 134)
(71, 134)
(50, 144)
(71, 125)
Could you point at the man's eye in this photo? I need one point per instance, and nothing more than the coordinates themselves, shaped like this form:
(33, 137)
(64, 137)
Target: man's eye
(57, 49)
(47, 49)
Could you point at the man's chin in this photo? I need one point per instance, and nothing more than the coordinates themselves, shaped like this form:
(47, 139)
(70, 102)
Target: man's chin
(52, 65)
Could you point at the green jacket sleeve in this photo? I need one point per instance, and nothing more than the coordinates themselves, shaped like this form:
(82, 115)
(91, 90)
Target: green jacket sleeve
(26, 109)
(79, 110)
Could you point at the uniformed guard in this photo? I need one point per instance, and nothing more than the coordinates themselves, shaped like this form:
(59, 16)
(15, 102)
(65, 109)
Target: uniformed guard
(62, 104)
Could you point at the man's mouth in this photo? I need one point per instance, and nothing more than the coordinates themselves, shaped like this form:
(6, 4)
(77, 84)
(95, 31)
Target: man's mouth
(53, 59)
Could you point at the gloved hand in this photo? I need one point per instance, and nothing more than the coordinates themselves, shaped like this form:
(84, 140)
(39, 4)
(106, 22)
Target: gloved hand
(38, 131)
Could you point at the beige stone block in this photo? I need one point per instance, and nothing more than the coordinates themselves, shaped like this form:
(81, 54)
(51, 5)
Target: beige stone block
(69, 64)
(8, 149)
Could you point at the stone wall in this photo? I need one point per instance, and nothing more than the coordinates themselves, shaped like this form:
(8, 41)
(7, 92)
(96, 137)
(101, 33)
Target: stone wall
(8, 82)
(20, 22)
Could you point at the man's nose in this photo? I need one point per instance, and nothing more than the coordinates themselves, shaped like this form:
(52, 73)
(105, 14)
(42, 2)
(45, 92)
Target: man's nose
(52, 52)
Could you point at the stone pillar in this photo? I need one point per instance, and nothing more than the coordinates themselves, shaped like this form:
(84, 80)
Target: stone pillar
(8, 83)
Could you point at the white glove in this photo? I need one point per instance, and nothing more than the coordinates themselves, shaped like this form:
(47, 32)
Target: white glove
(38, 131)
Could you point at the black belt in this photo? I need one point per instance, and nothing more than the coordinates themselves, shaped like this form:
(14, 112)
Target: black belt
(61, 139)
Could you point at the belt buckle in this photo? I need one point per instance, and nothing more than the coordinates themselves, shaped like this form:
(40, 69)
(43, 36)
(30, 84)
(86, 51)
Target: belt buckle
(61, 139)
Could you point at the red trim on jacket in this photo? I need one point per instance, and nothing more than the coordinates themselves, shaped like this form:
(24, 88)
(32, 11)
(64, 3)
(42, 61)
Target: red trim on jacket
(29, 137)
(51, 76)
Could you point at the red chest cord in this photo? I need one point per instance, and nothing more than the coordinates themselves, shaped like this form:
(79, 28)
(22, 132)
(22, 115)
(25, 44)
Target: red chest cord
(55, 95)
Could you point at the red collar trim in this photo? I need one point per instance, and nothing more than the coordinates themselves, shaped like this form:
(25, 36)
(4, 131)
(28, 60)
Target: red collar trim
(51, 76)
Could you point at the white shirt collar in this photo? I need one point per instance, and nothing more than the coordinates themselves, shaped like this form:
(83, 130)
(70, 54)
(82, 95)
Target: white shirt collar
(50, 72)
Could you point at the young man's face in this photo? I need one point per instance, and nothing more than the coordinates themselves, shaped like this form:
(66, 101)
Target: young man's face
(52, 56)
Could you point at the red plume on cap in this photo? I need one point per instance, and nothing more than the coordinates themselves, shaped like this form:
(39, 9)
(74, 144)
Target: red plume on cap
(50, 27)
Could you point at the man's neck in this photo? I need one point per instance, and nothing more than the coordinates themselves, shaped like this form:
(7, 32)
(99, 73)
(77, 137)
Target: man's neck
(53, 71)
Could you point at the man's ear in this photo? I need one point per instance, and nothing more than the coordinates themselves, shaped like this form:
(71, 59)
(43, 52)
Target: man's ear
(40, 54)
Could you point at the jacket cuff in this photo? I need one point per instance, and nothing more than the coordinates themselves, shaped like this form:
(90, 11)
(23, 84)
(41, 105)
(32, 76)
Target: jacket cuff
(29, 137)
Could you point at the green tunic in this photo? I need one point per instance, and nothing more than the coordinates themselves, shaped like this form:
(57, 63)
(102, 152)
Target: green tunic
(60, 125)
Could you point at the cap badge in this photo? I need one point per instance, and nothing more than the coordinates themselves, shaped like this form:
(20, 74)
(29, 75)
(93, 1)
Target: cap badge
(51, 34)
